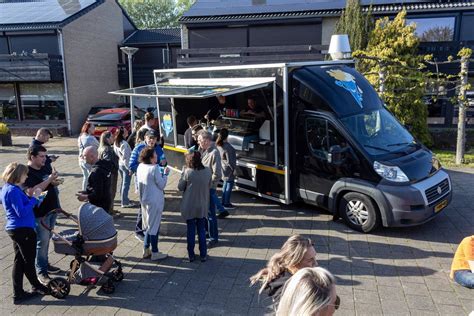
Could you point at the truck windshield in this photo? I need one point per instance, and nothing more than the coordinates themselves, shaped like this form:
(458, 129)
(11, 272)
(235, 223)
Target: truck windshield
(379, 132)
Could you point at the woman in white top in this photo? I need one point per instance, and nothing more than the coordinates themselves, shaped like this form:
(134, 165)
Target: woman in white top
(123, 152)
(86, 139)
(151, 184)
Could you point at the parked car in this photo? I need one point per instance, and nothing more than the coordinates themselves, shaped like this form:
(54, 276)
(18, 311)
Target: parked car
(108, 119)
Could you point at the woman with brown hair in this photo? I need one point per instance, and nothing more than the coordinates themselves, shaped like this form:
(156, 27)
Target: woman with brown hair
(195, 183)
(229, 163)
(20, 226)
(296, 253)
(86, 139)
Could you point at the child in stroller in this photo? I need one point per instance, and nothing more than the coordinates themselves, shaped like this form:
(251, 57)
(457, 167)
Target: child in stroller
(91, 245)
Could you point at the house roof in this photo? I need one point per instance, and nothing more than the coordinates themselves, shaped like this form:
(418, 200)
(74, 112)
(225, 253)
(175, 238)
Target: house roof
(205, 11)
(154, 36)
(22, 15)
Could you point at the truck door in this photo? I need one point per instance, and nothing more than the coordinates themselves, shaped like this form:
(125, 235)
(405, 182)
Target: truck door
(324, 156)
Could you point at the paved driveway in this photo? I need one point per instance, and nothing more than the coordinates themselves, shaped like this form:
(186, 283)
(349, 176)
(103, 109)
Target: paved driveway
(393, 271)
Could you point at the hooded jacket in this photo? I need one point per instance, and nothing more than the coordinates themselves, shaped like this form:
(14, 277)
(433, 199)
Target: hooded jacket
(98, 184)
(275, 288)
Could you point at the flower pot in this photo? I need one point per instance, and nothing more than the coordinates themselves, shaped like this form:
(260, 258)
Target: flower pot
(6, 139)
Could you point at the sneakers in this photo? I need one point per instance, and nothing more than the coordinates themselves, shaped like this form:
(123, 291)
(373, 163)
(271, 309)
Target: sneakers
(223, 214)
(130, 205)
(53, 269)
(158, 256)
(211, 243)
(192, 258)
(229, 206)
(41, 289)
(146, 253)
(24, 297)
(140, 237)
(44, 278)
(203, 259)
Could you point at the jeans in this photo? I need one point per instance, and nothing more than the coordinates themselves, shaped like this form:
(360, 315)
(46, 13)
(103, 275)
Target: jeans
(126, 178)
(24, 242)
(113, 189)
(464, 278)
(151, 240)
(200, 223)
(227, 191)
(213, 231)
(86, 170)
(42, 245)
(138, 225)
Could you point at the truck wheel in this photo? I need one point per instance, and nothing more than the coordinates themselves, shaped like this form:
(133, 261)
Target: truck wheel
(359, 212)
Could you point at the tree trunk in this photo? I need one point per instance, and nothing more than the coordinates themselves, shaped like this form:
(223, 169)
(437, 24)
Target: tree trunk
(461, 137)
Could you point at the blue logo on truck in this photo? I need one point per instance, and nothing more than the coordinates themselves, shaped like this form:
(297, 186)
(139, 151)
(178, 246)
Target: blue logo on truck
(167, 124)
(347, 81)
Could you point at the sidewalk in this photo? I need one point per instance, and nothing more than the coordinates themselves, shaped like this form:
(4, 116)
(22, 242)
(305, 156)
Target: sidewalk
(391, 272)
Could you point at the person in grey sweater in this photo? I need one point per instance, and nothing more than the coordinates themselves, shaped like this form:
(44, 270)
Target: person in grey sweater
(195, 183)
(212, 160)
(229, 163)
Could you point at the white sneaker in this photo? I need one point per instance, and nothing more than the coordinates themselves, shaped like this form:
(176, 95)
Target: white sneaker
(158, 256)
(44, 278)
(146, 253)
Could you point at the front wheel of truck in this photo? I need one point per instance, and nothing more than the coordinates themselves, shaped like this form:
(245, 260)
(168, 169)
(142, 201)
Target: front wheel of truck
(359, 212)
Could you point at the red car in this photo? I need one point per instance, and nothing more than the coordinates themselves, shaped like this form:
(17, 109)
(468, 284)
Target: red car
(108, 119)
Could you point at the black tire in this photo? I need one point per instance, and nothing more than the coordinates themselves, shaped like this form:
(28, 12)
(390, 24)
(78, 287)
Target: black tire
(359, 212)
(59, 287)
(117, 275)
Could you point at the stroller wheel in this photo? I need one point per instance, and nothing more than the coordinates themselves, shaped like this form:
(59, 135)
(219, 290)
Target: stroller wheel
(59, 287)
(108, 288)
(117, 275)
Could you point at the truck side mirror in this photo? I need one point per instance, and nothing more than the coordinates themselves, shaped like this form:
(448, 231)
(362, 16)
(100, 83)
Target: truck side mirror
(335, 155)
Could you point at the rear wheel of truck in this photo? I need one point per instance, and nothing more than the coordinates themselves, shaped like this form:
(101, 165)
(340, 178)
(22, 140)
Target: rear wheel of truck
(359, 212)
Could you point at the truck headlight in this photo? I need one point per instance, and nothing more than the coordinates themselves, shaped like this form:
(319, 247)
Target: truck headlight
(391, 173)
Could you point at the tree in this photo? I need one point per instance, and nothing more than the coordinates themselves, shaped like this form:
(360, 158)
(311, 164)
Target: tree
(392, 54)
(437, 34)
(147, 14)
(356, 24)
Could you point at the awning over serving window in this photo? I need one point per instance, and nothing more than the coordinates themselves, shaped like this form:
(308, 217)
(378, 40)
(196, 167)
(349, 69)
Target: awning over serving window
(197, 88)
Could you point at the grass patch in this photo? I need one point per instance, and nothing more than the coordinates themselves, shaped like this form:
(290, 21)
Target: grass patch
(448, 158)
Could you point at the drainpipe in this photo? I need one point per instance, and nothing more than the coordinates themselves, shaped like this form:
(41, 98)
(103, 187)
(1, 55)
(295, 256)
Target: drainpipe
(66, 90)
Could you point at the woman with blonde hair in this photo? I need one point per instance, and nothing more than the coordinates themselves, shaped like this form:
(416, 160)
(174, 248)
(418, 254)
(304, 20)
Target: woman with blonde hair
(296, 253)
(310, 292)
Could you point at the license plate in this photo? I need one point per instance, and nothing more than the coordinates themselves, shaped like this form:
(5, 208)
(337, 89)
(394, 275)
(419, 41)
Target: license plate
(101, 128)
(440, 206)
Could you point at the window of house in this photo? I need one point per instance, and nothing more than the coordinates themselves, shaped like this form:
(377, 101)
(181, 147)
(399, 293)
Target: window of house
(8, 104)
(434, 29)
(42, 101)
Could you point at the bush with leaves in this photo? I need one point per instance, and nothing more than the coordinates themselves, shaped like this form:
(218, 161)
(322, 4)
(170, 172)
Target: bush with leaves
(356, 24)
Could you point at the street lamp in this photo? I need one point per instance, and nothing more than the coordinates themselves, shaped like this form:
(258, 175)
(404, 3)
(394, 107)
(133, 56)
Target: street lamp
(339, 47)
(130, 51)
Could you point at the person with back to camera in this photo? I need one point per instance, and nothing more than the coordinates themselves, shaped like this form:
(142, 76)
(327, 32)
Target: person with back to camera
(107, 153)
(149, 117)
(151, 185)
(132, 138)
(309, 292)
(462, 268)
(123, 152)
(296, 253)
(86, 139)
(229, 163)
(20, 226)
(195, 183)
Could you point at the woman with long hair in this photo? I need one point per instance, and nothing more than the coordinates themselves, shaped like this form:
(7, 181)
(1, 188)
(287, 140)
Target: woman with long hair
(229, 163)
(296, 253)
(123, 152)
(310, 292)
(86, 138)
(20, 226)
(132, 138)
(151, 185)
(195, 183)
(106, 152)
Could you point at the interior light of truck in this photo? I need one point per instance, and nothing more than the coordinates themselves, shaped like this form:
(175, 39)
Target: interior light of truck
(391, 173)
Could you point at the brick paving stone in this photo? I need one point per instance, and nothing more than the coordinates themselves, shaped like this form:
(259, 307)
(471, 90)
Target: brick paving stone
(450, 310)
(420, 302)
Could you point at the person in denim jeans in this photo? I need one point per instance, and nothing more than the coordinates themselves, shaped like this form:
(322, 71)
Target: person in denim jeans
(229, 163)
(123, 151)
(195, 183)
(463, 263)
(212, 160)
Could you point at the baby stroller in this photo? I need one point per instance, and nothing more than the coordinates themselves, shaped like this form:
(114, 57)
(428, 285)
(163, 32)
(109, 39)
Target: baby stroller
(91, 245)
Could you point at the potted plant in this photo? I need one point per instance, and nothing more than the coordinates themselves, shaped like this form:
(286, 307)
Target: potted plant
(5, 135)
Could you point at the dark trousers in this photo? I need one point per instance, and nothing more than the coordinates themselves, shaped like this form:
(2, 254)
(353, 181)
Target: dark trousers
(200, 223)
(24, 246)
(113, 189)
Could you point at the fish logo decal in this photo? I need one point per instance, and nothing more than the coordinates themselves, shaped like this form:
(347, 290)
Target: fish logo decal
(347, 81)
(167, 124)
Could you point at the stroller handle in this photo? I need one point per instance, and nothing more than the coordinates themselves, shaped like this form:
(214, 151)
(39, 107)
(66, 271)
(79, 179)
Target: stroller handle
(59, 211)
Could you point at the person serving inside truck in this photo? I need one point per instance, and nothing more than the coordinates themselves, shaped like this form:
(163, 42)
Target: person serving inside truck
(253, 110)
(217, 109)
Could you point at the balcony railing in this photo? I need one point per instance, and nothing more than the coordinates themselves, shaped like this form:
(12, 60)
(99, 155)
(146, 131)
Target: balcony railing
(31, 67)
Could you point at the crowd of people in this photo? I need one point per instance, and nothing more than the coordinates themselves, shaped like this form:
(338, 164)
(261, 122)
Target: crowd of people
(292, 278)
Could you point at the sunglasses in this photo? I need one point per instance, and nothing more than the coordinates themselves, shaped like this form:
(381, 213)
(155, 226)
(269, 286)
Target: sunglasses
(337, 303)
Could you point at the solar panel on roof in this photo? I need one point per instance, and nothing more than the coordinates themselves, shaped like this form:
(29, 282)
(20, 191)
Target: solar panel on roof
(39, 11)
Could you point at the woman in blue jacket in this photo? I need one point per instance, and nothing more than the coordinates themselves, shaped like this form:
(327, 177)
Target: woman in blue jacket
(20, 223)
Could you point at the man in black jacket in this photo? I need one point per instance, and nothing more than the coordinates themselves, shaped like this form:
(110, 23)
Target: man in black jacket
(99, 181)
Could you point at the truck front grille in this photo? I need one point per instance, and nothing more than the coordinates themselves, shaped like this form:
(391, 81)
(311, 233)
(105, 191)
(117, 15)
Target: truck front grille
(433, 193)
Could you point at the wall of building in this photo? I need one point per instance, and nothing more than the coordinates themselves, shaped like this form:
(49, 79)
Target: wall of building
(91, 58)
(329, 25)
